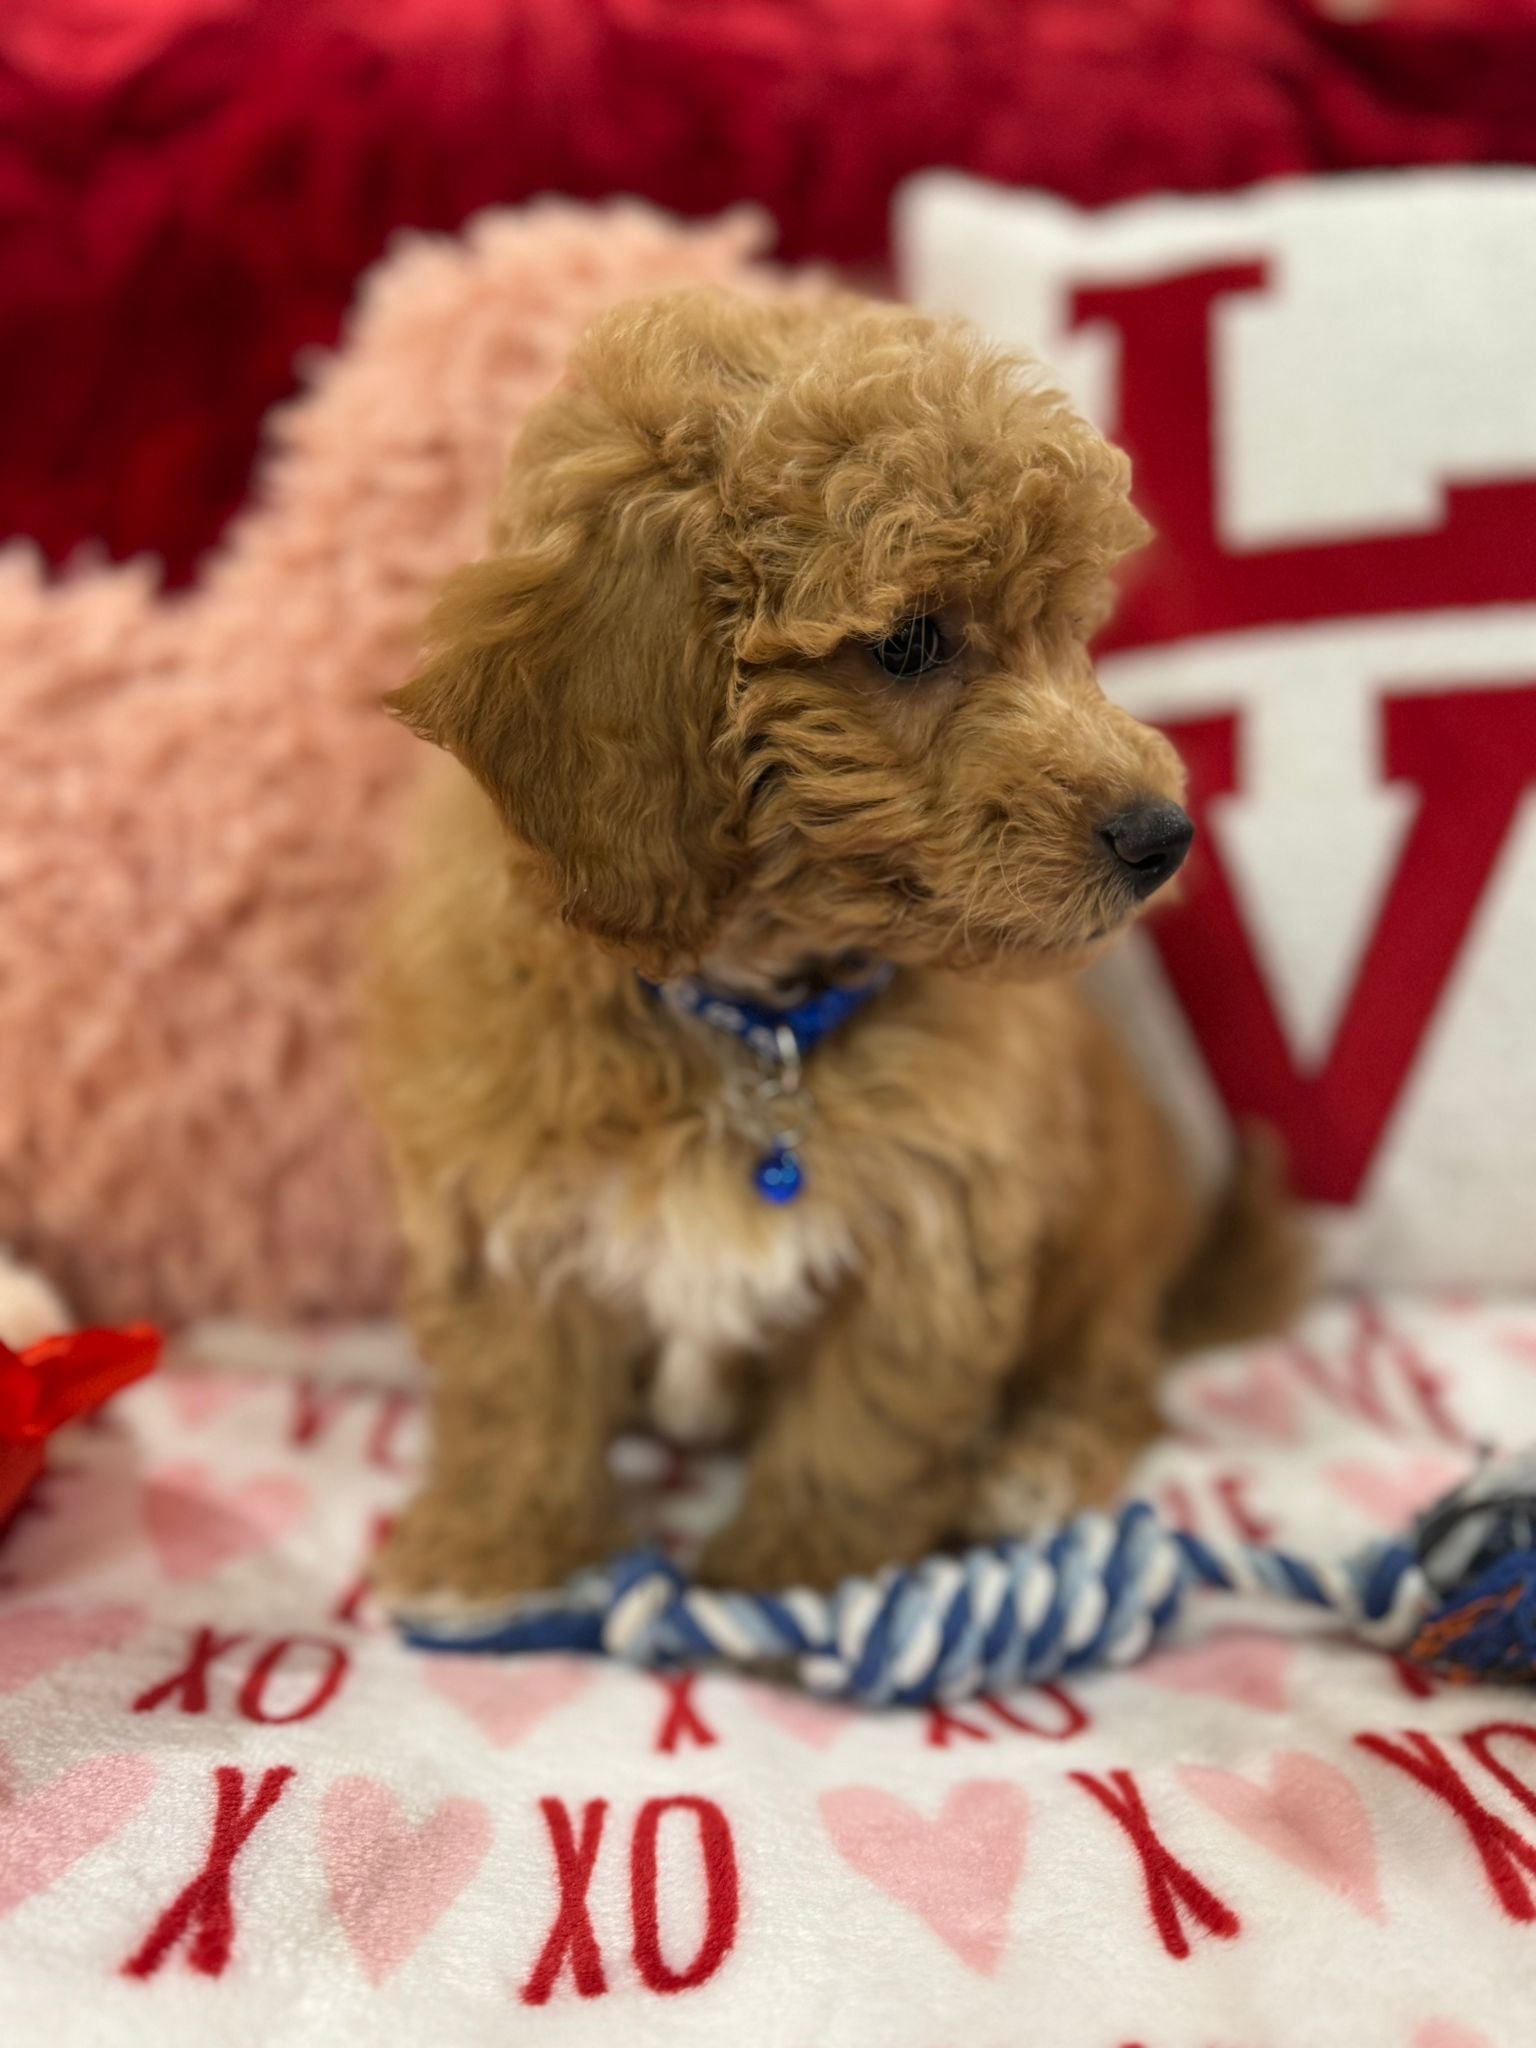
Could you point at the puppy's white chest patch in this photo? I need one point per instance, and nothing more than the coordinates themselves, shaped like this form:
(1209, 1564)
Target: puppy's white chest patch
(717, 1274)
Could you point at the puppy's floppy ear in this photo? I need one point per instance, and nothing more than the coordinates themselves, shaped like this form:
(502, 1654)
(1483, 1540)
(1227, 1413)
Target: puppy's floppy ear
(576, 679)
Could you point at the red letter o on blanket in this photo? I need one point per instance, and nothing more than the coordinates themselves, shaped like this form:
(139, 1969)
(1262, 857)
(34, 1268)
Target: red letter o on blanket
(252, 1701)
(722, 1897)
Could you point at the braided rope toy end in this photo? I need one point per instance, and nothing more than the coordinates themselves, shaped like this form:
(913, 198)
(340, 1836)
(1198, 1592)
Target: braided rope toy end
(1458, 1594)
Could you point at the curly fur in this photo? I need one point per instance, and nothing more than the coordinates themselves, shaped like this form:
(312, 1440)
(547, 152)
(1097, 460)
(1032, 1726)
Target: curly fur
(680, 753)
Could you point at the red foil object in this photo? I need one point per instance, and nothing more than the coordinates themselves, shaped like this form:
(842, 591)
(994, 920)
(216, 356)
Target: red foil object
(52, 1383)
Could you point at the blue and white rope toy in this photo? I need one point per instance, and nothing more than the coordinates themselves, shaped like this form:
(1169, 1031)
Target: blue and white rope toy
(1459, 1595)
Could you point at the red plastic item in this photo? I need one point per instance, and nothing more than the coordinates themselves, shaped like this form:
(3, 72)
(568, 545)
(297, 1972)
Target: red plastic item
(52, 1383)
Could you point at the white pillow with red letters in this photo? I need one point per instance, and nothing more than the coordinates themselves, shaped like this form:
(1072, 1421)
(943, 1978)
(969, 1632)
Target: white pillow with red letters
(1328, 388)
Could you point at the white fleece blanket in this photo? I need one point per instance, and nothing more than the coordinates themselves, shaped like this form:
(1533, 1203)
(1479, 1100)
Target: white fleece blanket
(234, 1809)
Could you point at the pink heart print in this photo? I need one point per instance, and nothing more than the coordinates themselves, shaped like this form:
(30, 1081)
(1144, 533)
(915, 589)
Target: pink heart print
(392, 1879)
(44, 1833)
(1260, 1401)
(1450, 2034)
(199, 1398)
(958, 1873)
(36, 1640)
(1245, 1670)
(507, 1701)
(1392, 1494)
(815, 1723)
(198, 1525)
(1309, 1815)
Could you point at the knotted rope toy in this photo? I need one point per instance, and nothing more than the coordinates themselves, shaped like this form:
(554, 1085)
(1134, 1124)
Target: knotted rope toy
(1458, 1595)
(53, 1382)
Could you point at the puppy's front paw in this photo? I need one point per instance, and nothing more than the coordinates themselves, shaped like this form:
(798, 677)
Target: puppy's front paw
(1019, 1498)
(763, 1552)
(1057, 1466)
(445, 1559)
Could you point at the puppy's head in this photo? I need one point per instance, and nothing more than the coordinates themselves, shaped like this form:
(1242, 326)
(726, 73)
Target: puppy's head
(781, 647)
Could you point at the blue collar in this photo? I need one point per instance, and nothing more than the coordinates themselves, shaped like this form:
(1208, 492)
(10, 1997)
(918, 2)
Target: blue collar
(782, 1040)
(760, 1025)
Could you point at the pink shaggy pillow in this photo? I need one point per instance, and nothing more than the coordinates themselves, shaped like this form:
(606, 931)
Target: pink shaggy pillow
(199, 794)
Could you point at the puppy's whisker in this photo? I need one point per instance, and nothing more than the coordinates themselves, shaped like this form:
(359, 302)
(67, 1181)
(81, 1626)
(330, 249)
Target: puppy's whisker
(977, 885)
(1010, 881)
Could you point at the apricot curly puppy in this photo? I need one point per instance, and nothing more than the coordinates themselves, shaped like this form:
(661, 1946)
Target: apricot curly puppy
(776, 677)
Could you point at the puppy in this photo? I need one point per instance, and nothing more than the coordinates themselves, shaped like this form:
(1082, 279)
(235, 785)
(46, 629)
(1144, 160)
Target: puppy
(724, 1030)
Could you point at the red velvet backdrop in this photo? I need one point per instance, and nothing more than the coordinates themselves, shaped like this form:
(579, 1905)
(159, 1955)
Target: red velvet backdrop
(189, 188)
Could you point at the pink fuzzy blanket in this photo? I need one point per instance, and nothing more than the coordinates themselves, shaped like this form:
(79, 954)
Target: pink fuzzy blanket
(200, 793)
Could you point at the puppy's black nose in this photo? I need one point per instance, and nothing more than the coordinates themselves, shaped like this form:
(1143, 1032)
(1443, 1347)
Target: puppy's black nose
(1148, 843)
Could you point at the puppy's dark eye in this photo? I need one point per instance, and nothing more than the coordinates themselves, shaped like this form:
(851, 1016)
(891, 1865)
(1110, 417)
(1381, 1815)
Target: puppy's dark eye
(917, 646)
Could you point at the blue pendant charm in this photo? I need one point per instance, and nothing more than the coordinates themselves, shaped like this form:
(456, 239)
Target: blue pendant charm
(779, 1177)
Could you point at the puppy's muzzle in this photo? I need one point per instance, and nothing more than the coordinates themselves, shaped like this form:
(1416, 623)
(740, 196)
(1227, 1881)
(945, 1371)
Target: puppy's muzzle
(1147, 843)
